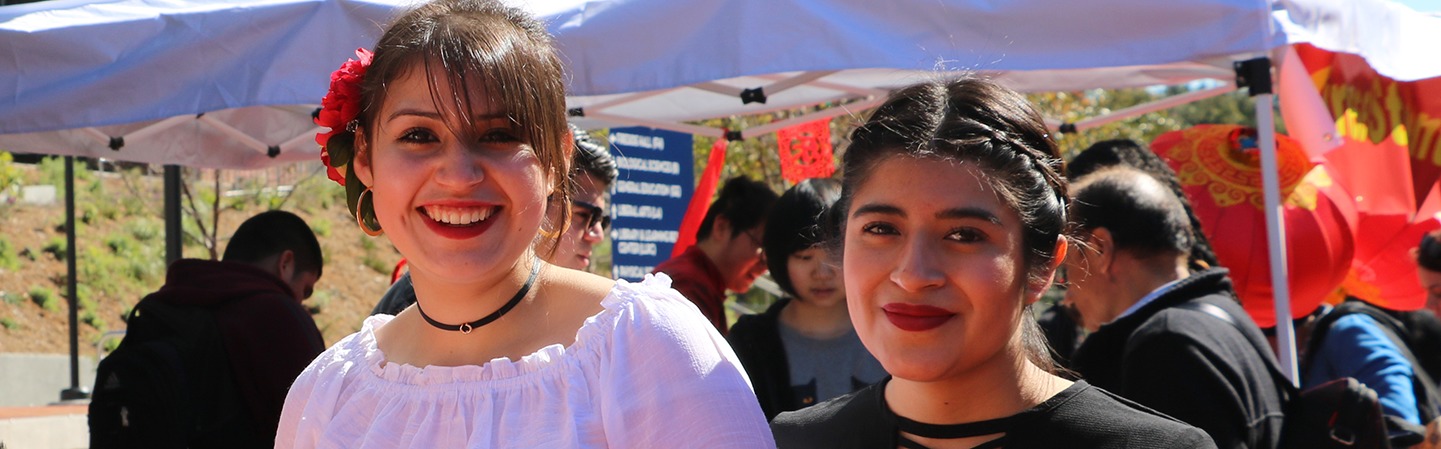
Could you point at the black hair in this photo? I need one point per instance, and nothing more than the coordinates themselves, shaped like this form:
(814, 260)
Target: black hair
(978, 121)
(270, 233)
(592, 157)
(794, 225)
(1144, 217)
(743, 202)
(1129, 153)
(1428, 254)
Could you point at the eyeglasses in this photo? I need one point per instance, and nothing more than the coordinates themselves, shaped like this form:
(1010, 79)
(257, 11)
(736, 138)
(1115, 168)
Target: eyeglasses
(592, 215)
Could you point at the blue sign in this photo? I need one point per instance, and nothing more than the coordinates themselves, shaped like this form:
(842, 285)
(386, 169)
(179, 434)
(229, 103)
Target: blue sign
(649, 199)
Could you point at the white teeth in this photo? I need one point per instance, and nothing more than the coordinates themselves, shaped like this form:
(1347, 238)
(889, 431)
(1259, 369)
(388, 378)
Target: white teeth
(460, 216)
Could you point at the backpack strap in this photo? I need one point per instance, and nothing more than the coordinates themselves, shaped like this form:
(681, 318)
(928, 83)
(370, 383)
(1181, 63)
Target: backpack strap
(1217, 312)
(1427, 399)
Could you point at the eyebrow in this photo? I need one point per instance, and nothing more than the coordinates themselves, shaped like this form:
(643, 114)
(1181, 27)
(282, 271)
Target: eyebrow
(969, 212)
(436, 115)
(952, 213)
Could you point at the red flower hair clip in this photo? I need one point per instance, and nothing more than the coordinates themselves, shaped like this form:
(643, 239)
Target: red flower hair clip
(339, 111)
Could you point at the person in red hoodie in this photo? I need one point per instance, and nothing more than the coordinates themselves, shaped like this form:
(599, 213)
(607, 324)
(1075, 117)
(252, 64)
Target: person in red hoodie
(255, 292)
(727, 254)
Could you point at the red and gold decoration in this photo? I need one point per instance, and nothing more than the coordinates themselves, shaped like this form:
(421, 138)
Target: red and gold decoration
(805, 151)
(1219, 168)
(1390, 160)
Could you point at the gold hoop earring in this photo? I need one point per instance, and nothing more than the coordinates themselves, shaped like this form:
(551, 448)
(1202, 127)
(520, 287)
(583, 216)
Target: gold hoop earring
(365, 215)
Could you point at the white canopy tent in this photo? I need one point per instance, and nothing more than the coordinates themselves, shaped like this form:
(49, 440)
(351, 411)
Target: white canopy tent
(226, 84)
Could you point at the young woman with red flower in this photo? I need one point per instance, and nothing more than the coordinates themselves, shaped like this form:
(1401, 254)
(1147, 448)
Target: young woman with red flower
(451, 140)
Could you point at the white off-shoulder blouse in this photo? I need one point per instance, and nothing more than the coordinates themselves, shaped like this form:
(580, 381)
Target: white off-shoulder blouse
(646, 372)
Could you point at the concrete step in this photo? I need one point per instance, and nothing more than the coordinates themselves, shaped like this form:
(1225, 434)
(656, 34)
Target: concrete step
(44, 427)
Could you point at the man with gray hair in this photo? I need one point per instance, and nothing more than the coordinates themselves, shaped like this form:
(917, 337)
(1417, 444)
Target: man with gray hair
(1162, 335)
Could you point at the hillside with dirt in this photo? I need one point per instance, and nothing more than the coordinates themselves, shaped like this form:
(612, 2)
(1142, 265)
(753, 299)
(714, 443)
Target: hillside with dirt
(121, 247)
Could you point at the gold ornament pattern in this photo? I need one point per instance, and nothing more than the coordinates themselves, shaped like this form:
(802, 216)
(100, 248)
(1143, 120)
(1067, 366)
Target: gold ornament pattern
(1224, 161)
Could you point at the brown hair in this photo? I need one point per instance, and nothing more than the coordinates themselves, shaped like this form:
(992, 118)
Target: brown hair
(506, 51)
(977, 121)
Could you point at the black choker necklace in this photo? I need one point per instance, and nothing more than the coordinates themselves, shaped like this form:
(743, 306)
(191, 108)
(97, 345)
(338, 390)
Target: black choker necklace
(465, 328)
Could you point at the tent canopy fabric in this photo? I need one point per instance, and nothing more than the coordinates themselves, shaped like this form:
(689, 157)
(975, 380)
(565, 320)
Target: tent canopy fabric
(227, 84)
(81, 73)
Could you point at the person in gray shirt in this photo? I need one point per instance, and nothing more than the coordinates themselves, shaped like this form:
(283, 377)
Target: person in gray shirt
(803, 349)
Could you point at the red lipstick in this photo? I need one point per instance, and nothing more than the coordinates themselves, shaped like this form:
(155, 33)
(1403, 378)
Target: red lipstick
(916, 317)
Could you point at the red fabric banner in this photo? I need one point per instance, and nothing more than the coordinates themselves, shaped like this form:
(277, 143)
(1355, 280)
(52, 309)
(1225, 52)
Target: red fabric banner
(700, 200)
(1369, 107)
(805, 151)
(1390, 160)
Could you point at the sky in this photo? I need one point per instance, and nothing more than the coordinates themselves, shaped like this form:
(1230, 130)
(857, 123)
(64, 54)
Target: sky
(1422, 5)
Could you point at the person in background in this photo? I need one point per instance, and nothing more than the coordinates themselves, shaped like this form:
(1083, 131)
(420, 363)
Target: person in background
(803, 349)
(1423, 327)
(1059, 323)
(593, 172)
(460, 145)
(1368, 343)
(954, 221)
(253, 295)
(727, 253)
(1158, 336)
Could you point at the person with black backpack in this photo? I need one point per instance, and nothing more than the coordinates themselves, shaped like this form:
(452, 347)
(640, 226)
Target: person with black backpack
(208, 359)
(1359, 340)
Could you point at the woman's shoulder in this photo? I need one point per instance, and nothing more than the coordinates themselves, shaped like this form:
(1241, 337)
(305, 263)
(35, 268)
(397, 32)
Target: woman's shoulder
(650, 302)
(1087, 416)
(856, 420)
(350, 352)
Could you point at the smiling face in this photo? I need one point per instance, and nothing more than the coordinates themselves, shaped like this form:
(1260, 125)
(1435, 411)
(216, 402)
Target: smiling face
(933, 269)
(459, 200)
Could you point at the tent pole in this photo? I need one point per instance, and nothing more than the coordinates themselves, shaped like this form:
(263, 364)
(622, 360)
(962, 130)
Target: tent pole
(1256, 75)
(75, 391)
(172, 214)
(1276, 236)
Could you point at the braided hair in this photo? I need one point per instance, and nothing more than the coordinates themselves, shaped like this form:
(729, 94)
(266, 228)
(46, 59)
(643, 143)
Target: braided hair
(980, 122)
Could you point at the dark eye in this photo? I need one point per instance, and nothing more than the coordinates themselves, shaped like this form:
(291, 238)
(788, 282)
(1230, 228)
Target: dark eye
(499, 135)
(418, 135)
(966, 235)
(879, 229)
(801, 257)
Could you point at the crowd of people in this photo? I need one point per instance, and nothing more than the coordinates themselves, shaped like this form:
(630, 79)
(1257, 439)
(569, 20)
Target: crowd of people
(910, 287)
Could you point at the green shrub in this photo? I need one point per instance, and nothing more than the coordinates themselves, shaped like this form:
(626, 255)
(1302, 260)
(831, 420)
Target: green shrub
(9, 259)
(91, 318)
(11, 298)
(378, 265)
(45, 298)
(10, 176)
(88, 303)
(321, 227)
(368, 243)
(52, 171)
(56, 247)
(145, 229)
(8, 323)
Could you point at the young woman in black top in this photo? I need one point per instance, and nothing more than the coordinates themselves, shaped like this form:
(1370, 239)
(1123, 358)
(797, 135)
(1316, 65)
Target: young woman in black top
(954, 223)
